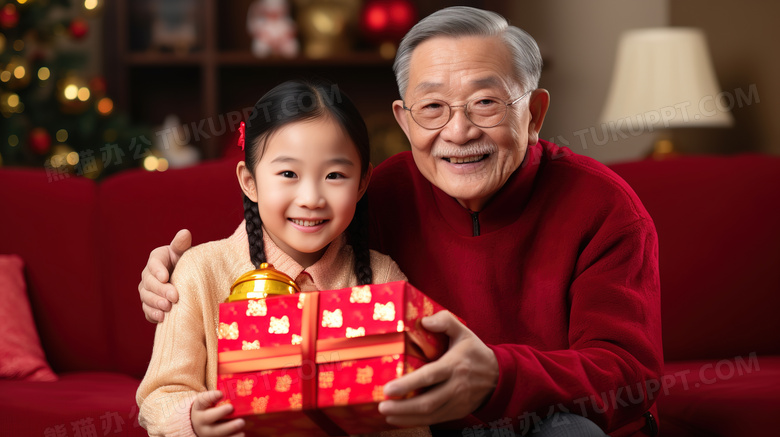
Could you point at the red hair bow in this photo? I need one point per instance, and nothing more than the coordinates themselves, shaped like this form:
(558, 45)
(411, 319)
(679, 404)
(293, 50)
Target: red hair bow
(241, 134)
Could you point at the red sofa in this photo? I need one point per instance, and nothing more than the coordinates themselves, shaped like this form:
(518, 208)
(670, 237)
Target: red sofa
(84, 244)
(718, 222)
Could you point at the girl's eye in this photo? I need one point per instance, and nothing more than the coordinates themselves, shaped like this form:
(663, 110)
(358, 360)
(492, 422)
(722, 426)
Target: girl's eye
(287, 174)
(334, 176)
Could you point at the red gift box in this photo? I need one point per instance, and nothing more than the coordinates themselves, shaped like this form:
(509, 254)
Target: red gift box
(316, 363)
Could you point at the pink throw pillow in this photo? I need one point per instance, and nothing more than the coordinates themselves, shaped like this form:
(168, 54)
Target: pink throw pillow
(21, 355)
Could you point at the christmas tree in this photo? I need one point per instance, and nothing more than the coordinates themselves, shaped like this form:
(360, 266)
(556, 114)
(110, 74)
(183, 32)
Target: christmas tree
(54, 117)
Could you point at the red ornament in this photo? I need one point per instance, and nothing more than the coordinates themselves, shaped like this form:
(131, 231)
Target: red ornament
(78, 28)
(387, 20)
(39, 140)
(9, 16)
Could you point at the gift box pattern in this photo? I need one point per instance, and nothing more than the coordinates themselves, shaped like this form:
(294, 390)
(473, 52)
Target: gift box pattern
(365, 337)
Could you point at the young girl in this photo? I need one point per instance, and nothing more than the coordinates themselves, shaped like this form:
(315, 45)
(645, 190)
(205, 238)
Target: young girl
(305, 171)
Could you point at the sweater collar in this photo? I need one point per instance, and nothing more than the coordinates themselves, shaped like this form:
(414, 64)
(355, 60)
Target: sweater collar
(502, 209)
(322, 272)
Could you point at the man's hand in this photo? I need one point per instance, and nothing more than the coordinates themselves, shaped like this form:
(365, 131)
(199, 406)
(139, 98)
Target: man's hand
(204, 417)
(460, 381)
(157, 294)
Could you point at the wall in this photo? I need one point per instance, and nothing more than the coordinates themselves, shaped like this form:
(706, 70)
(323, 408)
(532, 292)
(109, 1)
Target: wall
(742, 38)
(579, 41)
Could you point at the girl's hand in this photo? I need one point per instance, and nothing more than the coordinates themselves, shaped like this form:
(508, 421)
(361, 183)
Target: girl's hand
(204, 417)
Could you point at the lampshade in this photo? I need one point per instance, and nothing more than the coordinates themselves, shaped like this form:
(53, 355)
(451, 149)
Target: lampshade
(663, 78)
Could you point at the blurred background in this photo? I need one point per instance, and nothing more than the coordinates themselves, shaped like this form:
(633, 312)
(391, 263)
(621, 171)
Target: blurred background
(93, 87)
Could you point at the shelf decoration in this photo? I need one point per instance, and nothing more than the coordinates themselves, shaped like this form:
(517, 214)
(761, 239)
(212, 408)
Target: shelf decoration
(174, 146)
(385, 22)
(174, 25)
(328, 27)
(272, 30)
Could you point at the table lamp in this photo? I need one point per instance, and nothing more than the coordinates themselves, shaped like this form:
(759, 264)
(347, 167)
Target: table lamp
(663, 79)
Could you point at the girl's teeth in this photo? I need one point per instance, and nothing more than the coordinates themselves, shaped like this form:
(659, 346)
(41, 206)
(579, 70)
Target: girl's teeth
(307, 222)
(465, 160)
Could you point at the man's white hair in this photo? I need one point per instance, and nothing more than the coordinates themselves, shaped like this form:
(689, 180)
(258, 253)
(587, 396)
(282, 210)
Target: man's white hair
(459, 21)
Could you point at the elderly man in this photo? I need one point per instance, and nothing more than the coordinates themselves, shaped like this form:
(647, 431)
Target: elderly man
(548, 257)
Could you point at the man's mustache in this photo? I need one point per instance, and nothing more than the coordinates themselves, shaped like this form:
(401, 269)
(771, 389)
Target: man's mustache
(469, 149)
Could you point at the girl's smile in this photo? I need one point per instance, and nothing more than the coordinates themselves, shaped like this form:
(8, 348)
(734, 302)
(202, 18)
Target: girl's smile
(309, 225)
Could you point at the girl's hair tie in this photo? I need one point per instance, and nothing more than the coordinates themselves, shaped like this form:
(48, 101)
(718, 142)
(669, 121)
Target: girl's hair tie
(241, 134)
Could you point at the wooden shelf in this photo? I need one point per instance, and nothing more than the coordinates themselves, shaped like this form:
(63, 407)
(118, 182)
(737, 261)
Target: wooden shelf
(221, 75)
(160, 58)
(241, 58)
(356, 59)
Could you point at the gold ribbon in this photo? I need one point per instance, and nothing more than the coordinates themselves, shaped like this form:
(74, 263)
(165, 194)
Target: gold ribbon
(327, 351)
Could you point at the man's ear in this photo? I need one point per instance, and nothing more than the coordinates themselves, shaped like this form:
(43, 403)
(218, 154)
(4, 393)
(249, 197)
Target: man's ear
(364, 181)
(246, 181)
(537, 105)
(401, 117)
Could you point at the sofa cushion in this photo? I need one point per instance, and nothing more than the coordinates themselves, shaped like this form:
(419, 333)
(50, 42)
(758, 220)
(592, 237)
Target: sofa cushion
(21, 356)
(140, 211)
(731, 397)
(52, 225)
(86, 404)
(717, 220)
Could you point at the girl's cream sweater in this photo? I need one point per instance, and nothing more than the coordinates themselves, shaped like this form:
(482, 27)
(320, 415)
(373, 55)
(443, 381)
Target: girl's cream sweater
(184, 359)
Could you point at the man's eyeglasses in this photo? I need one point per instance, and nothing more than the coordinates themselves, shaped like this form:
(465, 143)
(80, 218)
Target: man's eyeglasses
(484, 112)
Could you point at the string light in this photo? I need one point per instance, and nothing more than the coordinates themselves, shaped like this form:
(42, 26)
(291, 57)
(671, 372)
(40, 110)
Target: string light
(105, 106)
(18, 45)
(9, 104)
(90, 4)
(13, 141)
(57, 160)
(71, 92)
(63, 155)
(13, 100)
(150, 163)
(83, 94)
(61, 135)
(5, 76)
(19, 72)
(44, 73)
(162, 164)
(72, 158)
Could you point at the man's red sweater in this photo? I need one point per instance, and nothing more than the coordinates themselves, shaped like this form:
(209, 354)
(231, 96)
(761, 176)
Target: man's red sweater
(558, 275)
